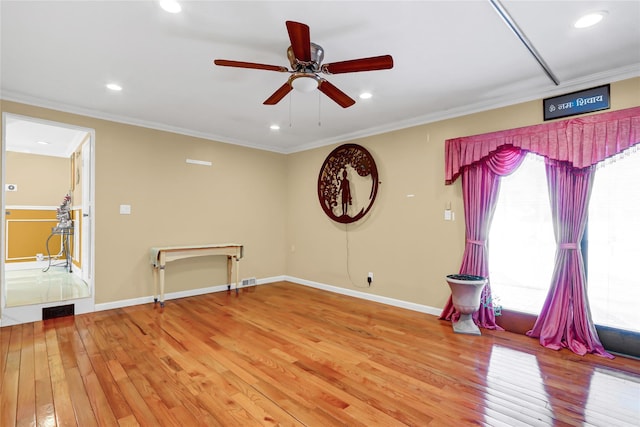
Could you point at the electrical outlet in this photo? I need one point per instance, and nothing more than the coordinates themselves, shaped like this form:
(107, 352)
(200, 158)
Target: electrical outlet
(370, 277)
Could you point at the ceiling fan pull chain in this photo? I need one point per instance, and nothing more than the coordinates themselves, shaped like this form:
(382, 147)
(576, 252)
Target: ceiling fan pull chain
(319, 110)
(290, 101)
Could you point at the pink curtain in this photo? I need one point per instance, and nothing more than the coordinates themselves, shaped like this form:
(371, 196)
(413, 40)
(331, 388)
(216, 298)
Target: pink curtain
(565, 319)
(568, 145)
(480, 185)
(582, 141)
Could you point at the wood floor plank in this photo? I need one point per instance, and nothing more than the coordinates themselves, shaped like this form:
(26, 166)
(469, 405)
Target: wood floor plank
(85, 414)
(45, 410)
(5, 339)
(26, 411)
(289, 355)
(117, 405)
(59, 384)
(11, 378)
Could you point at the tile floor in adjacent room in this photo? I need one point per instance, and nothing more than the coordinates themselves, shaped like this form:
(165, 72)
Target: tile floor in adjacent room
(35, 286)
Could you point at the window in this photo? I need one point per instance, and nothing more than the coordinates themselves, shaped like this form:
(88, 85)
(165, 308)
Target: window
(613, 257)
(522, 246)
(521, 242)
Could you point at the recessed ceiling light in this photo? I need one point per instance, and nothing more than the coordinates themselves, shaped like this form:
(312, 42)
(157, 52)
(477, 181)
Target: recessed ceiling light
(589, 19)
(170, 6)
(114, 86)
(274, 127)
(365, 95)
(42, 142)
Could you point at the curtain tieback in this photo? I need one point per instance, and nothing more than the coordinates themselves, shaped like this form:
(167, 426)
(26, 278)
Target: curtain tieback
(573, 246)
(476, 242)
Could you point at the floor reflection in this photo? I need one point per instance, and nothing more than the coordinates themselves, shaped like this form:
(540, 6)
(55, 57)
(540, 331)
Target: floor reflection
(613, 392)
(546, 388)
(515, 387)
(24, 287)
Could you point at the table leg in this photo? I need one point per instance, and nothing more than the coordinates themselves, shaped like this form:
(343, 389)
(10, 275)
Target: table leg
(155, 285)
(237, 273)
(162, 265)
(229, 267)
(162, 286)
(69, 256)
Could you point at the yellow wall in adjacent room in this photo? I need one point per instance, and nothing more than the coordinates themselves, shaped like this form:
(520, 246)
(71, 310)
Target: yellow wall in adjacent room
(41, 180)
(26, 234)
(268, 202)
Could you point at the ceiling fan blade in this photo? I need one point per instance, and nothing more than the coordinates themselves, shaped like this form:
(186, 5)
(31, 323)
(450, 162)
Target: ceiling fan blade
(300, 40)
(241, 64)
(278, 94)
(341, 98)
(383, 62)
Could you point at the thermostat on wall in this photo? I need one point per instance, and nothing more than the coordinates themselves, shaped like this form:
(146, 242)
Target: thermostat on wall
(11, 187)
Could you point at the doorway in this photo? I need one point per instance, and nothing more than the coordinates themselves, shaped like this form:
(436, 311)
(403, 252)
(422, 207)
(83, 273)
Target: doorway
(47, 215)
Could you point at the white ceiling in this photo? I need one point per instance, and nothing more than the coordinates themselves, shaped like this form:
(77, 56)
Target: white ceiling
(450, 58)
(43, 138)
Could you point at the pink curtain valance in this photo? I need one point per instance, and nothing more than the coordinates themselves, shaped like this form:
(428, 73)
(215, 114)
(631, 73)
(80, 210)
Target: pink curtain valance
(582, 141)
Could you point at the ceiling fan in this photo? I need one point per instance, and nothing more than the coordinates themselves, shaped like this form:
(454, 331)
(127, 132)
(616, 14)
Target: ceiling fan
(305, 58)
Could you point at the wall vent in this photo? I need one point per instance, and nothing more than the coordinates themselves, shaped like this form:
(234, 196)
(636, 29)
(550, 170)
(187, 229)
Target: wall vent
(59, 311)
(251, 281)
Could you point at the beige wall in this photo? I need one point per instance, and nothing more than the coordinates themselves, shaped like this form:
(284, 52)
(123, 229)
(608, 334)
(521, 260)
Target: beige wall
(268, 202)
(41, 180)
(239, 199)
(404, 241)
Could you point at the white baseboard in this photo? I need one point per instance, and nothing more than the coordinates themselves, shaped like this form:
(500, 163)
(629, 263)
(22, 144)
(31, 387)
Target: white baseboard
(180, 294)
(367, 296)
(221, 288)
(27, 265)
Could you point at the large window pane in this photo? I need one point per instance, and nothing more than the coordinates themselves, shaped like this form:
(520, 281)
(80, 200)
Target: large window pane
(614, 244)
(521, 243)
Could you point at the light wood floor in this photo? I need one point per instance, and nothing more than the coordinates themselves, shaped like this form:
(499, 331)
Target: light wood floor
(284, 354)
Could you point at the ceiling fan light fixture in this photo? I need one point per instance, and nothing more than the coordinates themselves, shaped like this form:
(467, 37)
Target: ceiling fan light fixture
(304, 82)
(590, 19)
(366, 95)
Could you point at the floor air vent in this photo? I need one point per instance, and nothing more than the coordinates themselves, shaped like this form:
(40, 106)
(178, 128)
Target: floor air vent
(251, 281)
(59, 311)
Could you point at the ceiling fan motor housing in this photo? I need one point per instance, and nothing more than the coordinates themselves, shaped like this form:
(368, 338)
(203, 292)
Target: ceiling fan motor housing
(313, 66)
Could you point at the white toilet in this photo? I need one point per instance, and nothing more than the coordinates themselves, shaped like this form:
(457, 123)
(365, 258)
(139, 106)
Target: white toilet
(466, 291)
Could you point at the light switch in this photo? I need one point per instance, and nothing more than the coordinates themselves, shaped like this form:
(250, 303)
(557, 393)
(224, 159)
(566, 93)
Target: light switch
(448, 215)
(125, 209)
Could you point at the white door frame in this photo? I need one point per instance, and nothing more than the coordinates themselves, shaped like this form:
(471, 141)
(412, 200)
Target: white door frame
(31, 313)
(87, 212)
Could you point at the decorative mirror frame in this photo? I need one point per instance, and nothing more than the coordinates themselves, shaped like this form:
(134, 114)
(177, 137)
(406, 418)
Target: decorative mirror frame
(334, 185)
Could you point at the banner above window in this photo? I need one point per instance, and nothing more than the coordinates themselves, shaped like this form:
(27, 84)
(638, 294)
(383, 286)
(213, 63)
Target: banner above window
(581, 102)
